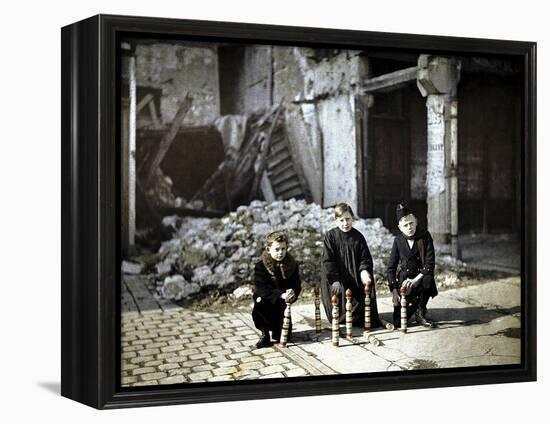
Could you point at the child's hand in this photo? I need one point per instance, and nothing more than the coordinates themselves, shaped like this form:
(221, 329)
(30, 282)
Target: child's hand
(290, 296)
(365, 277)
(336, 288)
(396, 299)
(412, 282)
(407, 283)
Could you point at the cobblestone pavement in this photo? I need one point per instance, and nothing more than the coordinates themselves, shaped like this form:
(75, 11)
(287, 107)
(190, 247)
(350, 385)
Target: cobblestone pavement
(477, 325)
(178, 346)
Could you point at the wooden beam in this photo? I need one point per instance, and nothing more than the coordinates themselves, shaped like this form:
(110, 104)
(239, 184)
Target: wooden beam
(143, 102)
(169, 137)
(154, 116)
(389, 82)
(267, 189)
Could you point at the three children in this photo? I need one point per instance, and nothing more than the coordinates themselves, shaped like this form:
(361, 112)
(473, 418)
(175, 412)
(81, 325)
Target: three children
(347, 264)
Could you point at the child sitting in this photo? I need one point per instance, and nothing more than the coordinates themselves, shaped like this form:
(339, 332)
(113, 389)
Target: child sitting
(413, 251)
(277, 281)
(347, 264)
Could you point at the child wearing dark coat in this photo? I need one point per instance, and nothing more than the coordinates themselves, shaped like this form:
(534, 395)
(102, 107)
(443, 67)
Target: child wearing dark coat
(347, 264)
(413, 252)
(277, 281)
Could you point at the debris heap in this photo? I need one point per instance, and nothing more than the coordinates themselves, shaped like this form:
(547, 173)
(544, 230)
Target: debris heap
(220, 253)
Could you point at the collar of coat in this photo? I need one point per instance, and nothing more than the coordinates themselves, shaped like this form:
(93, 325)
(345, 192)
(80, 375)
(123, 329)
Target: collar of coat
(287, 266)
(420, 233)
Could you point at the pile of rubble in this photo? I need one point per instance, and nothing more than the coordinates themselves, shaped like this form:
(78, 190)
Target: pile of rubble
(220, 253)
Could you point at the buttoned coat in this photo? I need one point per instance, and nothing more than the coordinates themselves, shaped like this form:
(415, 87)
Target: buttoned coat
(407, 262)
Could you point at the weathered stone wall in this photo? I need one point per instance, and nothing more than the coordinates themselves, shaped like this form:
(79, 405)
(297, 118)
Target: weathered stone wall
(257, 78)
(339, 150)
(177, 69)
(323, 117)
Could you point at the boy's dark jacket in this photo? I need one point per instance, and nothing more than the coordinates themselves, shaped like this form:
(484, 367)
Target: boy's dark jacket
(273, 278)
(411, 261)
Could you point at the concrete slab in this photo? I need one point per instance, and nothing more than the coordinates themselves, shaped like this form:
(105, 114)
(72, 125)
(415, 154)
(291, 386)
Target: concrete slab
(477, 325)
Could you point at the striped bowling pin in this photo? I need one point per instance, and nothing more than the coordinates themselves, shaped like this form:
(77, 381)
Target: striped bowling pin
(367, 307)
(335, 322)
(317, 311)
(286, 326)
(349, 315)
(403, 310)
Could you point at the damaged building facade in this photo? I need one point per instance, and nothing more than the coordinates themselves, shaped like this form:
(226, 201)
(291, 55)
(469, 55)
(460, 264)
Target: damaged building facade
(207, 127)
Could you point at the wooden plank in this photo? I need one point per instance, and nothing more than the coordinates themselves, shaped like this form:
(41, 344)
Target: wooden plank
(275, 141)
(143, 102)
(278, 149)
(274, 164)
(169, 137)
(296, 193)
(389, 82)
(278, 171)
(267, 189)
(288, 186)
(289, 174)
(154, 115)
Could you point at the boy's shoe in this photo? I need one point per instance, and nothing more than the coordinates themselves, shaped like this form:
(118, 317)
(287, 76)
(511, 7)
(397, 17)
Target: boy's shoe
(421, 319)
(264, 341)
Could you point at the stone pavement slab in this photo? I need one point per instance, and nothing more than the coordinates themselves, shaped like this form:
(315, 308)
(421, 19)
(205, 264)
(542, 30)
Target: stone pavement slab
(477, 325)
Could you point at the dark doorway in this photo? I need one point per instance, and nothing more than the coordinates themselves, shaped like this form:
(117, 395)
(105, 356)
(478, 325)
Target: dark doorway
(389, 161)
(231, 61)
(489, 153)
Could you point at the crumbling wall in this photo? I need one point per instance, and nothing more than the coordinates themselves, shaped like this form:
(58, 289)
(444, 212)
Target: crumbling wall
(320, 117)
(340, 158)
(257, 78)
(178, 69)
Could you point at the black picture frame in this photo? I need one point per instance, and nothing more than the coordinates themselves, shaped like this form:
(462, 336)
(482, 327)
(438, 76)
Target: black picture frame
(91, 212)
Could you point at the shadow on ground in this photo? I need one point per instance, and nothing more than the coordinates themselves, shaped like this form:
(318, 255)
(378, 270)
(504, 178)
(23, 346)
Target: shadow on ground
(51, 386)
(443, 318)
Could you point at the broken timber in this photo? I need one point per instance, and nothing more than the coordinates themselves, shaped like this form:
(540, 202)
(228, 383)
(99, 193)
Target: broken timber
(389, 82)
(263, 155)
(283, 176)
(263, 167)
(169, 137)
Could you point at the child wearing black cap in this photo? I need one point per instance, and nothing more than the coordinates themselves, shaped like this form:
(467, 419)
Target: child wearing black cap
(413, 251)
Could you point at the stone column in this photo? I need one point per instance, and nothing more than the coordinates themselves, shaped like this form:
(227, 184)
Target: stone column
(366, 149)
(128, 151)
(132, 156)
(437, 80)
